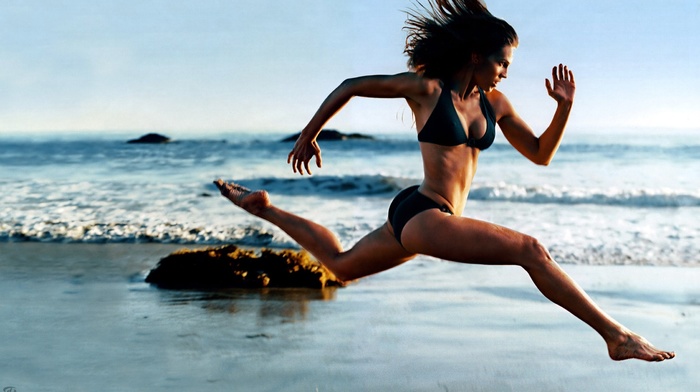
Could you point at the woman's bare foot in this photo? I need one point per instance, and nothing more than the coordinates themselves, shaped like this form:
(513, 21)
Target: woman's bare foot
(633, 346)
(254, 202)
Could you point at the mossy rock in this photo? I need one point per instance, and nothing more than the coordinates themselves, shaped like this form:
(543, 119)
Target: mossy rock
(233, 267)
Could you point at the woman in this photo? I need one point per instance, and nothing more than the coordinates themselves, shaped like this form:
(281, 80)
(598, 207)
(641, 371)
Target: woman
(457, 55)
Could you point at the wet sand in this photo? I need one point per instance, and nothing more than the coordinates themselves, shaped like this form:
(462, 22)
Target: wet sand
(79, 317)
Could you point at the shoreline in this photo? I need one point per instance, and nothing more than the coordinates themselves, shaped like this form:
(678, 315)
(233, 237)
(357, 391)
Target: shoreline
(79, 316)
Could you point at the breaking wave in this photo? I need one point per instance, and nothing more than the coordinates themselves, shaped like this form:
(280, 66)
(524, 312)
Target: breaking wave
(164, 233)
(386, 185)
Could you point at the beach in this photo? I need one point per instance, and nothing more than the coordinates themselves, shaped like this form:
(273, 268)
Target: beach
(80, 317)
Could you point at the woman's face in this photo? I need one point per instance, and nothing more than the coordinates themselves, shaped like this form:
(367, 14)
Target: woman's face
(490, 70)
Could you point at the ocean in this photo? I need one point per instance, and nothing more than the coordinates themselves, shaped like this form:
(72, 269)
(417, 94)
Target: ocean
(619, 198)
(84, 217)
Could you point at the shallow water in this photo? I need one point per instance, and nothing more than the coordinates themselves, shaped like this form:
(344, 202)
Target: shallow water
(79, 317)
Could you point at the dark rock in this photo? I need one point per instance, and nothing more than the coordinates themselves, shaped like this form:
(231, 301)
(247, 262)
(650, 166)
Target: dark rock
(258, 335)
(151, 138)
(330, 135)
(230, 266)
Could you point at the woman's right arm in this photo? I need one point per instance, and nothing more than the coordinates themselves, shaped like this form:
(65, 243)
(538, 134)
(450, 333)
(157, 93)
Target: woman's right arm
(405, 85)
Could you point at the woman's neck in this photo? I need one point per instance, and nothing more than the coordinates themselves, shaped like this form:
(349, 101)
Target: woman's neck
(463, 81)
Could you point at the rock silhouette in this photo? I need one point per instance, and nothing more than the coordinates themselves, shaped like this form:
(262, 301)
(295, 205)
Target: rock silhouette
(153, 138)
(330, 134)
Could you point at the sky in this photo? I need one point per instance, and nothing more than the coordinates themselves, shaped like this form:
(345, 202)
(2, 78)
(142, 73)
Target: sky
(265, 65)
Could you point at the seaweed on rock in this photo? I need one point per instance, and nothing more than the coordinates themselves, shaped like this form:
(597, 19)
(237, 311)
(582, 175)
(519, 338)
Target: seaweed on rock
(230, 266)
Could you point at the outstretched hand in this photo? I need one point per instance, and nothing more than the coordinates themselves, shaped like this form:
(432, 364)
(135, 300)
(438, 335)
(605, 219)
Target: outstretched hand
(562, 87)
(302, 153)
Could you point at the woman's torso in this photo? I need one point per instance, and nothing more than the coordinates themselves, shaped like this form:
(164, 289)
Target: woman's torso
(453, 139)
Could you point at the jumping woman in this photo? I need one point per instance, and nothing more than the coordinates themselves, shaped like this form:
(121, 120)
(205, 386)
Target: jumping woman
(458, 52)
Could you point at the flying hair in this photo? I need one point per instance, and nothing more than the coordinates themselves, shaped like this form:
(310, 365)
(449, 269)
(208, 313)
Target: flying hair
(443, 35)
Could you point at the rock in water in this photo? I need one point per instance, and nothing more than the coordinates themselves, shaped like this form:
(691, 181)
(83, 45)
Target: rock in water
(230, 266)
(153, 138)
(330, 134)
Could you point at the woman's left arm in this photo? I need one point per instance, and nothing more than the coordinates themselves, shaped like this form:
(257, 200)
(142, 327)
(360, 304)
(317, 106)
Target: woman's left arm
(540, 150)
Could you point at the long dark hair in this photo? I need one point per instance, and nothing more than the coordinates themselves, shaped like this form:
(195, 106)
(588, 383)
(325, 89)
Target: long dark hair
(442, 38)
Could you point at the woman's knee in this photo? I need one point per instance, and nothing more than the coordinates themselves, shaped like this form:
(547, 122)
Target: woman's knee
(535, 254)
(343, 272)
(338, 266)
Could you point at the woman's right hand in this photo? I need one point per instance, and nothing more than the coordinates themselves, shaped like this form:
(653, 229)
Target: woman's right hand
(302, 153)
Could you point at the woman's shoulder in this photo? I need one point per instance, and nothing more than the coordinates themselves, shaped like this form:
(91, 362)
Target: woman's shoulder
(426, 85)
(499, 102)
(494, 95)
(402, 85)
(417, 87)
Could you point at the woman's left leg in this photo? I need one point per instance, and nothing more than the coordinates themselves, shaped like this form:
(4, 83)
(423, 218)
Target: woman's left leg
(376, 252)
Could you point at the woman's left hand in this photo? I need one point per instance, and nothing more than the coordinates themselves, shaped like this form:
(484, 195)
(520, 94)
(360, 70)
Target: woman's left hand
(562, 87)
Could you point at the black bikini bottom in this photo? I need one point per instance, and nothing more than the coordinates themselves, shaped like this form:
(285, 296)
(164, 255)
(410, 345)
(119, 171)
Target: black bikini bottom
(407, 204)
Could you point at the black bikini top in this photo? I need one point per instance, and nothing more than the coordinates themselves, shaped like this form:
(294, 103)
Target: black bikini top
(444, 127)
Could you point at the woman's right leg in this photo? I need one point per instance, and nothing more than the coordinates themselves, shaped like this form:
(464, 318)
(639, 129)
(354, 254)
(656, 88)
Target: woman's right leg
(476, 242)
(376, 252)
